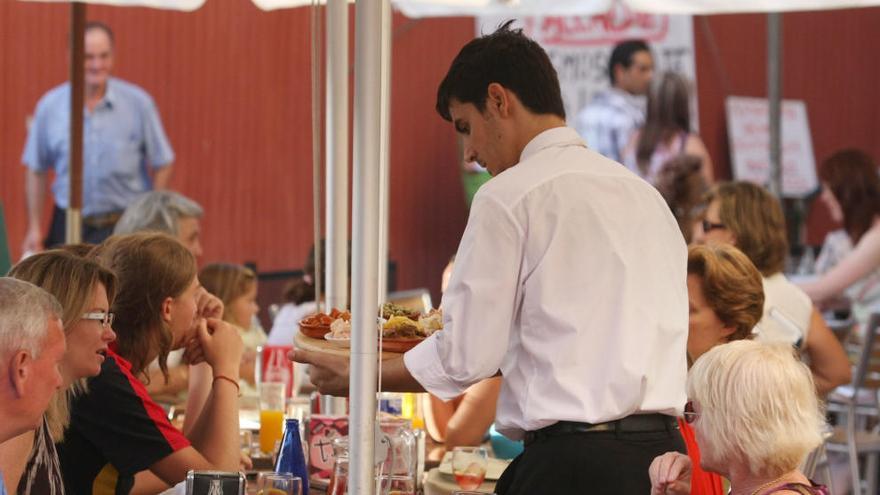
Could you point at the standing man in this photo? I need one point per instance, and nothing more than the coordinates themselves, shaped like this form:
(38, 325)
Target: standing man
(608, 121)
(31, 347)
(125, 148)
(569, 282)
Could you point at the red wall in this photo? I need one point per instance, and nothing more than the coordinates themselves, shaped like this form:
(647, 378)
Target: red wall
(232, 85)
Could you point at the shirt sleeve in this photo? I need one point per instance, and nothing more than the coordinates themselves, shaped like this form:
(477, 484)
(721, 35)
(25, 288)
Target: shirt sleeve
(36, 155)
(478, 306)
(158, 148)
(124, 423)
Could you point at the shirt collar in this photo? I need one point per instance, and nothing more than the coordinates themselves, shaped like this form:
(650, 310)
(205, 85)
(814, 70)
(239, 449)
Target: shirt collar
(110, 96)
(556, 136)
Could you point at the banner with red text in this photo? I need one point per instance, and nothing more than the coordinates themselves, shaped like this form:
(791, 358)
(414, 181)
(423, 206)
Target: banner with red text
(579, 47)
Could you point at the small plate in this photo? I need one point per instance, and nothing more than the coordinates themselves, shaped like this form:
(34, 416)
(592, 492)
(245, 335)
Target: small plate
(314, 331)
(343, 342)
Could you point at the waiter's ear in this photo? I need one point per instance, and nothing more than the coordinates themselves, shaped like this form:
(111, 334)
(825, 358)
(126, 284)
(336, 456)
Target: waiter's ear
(498, 100)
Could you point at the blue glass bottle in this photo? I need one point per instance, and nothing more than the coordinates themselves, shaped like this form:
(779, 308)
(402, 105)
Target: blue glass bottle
(290, 457)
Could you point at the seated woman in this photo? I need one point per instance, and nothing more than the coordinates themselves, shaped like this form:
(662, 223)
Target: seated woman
(750, 218)
(85, 291)
(849, 263)
(116, 430)
(236, 286)
(725, 301)
(755, 412)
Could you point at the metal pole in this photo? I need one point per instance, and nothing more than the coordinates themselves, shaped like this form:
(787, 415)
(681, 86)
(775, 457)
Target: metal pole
(774, 100)
(336, 142)
(73, 221)
(385, 151)
(368, 27)
(337, 154)
(316, 151)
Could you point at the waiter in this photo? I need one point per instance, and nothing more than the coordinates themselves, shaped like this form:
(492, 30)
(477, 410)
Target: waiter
(570, 281)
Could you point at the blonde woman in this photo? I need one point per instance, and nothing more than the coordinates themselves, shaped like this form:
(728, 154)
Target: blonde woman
(117, 431)
(756, 416)
(236, 286)
(85, 291)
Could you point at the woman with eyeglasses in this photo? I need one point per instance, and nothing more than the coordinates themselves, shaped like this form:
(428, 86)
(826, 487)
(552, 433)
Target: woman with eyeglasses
(119, 439)
(85, 291)
(747, 216)
(755, 414)
(725, 299)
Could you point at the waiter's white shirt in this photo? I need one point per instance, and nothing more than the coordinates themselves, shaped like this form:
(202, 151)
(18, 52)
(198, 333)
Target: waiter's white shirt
(571, 278)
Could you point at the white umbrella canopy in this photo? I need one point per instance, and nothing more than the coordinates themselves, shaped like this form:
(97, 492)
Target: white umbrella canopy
(184, 5)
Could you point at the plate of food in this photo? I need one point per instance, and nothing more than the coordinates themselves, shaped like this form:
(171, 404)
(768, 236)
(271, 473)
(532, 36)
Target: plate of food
(402, 332)
(317, 325)
(343, 342)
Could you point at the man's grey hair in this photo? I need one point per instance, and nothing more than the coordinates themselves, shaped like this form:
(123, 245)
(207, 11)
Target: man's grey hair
(157, 211)
(25, 311)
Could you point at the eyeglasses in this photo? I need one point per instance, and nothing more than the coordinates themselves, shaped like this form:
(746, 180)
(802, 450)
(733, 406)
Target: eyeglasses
(690, 415)
(709, 226)
(106, 319)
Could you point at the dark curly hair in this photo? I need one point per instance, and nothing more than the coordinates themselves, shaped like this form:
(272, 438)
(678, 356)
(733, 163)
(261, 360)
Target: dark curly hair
(851, 175)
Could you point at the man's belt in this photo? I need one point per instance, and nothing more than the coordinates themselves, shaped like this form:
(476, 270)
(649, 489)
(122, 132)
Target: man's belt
(637, 423)
(102, 220)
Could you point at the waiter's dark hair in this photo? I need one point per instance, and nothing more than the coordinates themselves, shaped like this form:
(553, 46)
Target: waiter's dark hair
(509, 58)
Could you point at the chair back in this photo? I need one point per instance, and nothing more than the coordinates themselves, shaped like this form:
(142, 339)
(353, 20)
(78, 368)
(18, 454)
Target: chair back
(867, 372)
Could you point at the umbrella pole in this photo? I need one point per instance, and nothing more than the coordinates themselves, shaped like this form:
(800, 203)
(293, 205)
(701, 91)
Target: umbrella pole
(73, 230)
(336, 141)
(774, 97)
(365, 213)
(385, 151)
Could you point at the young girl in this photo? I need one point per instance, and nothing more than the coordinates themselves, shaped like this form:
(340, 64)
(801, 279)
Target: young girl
(236, 286)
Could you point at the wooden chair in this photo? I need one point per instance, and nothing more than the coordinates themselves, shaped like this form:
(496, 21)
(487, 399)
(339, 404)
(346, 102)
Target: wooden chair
(860, 435)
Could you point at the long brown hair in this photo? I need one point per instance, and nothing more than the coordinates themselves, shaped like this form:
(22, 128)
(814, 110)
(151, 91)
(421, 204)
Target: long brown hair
(755, 218)
(151, 267)
(668, 114)
(851, 175)
(228, 282)
(72, 280)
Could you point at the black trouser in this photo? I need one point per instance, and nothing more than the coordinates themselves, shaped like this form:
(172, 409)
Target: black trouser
(595, 463)
(58, 229)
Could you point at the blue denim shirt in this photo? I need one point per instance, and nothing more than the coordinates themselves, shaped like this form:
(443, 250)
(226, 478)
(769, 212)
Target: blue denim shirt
(122, 137)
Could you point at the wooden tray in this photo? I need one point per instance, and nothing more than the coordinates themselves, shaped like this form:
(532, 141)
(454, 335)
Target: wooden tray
(320, 345)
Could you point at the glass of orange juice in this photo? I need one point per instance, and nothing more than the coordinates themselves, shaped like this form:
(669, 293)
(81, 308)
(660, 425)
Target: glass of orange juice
(271, 415)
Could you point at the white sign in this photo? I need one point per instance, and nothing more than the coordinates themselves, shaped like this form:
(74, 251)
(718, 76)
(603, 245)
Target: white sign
(580, 46)
(748, 131)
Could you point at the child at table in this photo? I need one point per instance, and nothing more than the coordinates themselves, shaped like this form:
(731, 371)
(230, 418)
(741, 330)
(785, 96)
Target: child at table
(236, 286)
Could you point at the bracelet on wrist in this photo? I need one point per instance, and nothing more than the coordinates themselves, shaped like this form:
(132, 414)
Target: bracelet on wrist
(230, 380)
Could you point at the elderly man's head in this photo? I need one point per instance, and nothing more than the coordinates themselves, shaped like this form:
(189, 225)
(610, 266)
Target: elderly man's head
(31, 348)
(165, 211)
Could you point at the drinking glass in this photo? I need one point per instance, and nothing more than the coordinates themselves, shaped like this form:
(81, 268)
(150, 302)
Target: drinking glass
(469, 466)
(271, 415)
(339, 480)
(279, 484)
